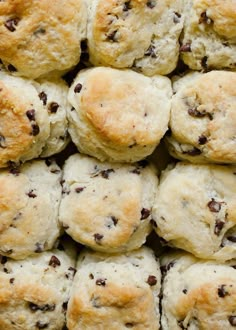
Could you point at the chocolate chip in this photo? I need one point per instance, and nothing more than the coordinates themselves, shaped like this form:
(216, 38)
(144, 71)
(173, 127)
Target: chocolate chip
(152, 280)
(98, 238)
(2, 142)
(39, 248)
(231, 239)
(53, 107)
(151, 4)
(6, 270)
(11, 23)
(78, 88)
(14, 168)
(221, 291)
(193, 152)
(185, 48)
(105, 173)
(44, 308)
(214, 206)
(43, 97)
(218, 227)
(72, 109)
(35, 129)
(145, 213)
(91, 276)
(3, 260)
(41, 325)
(127, 6)
(31, 194)
(151, 51)
(30, 114)
(64, 306)
(185, 291)
(12, 280)
(205, 19)
(114, 220)
(112, 36)
(232, 320)
(11, 68)
(202, 139)
(54, 262)
(79, 189)
(101, 281)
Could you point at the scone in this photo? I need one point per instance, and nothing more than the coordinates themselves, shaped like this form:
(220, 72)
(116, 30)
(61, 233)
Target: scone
(34, 292)
(140, 34)
(115, 292)
(195, 209)
(209, 35)
(53, 94)
(118, 115)
(38, 37)
(203, 118)
(198, 294)
(29, 203)
(105, 206)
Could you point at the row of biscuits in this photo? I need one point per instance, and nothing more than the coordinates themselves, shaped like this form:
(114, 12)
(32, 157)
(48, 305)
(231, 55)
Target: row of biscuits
(119, 116)
(130, 290)
(145, 35)
(112, 207)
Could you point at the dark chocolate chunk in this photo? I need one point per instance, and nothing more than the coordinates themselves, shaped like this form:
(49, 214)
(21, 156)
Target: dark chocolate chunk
(202, 139)
(78, 88)
(54, 262)
(91, 276)
(150, 51)
(53, 107)
(11, 24)
(105, 173)
(101, 281)
(44, 308)
(114, 220)
(2, 142)
(205, 19)
(79, 189)
(43, 97)
(152, 280)
(232, 320)
(98, 237)
(185, 291)
(112, 36)
(35, 129)
(31, 194)
(12, 280)
(31, 114)
(64, 306)
(145, 213)
(127, 5)
(218, 226)
(3, 260)
(11, 68)
(221, 291)
(185, 48)
(231, 239)
(151, 4)
(41, 325)
(193, 152)
(214, 206)
(39, 248)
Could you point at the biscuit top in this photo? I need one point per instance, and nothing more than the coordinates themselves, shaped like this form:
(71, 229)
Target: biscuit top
(24, 123)
(198, 294)
(220, 15)
(124, 107)
(117, 292)
(37, 37)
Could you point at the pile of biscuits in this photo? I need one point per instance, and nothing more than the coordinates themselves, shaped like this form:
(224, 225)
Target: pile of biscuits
(118, 164)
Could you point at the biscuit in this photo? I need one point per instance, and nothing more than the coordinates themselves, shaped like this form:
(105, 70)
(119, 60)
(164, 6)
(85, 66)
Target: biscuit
(105, 206)
(38, 37)
(115, 292)
(203, 118)
(140, 34)
(209, 35)
(195, 209)
(53, 94)
(118, 115)
(29, 203)
(198, 294)
(34, 292)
